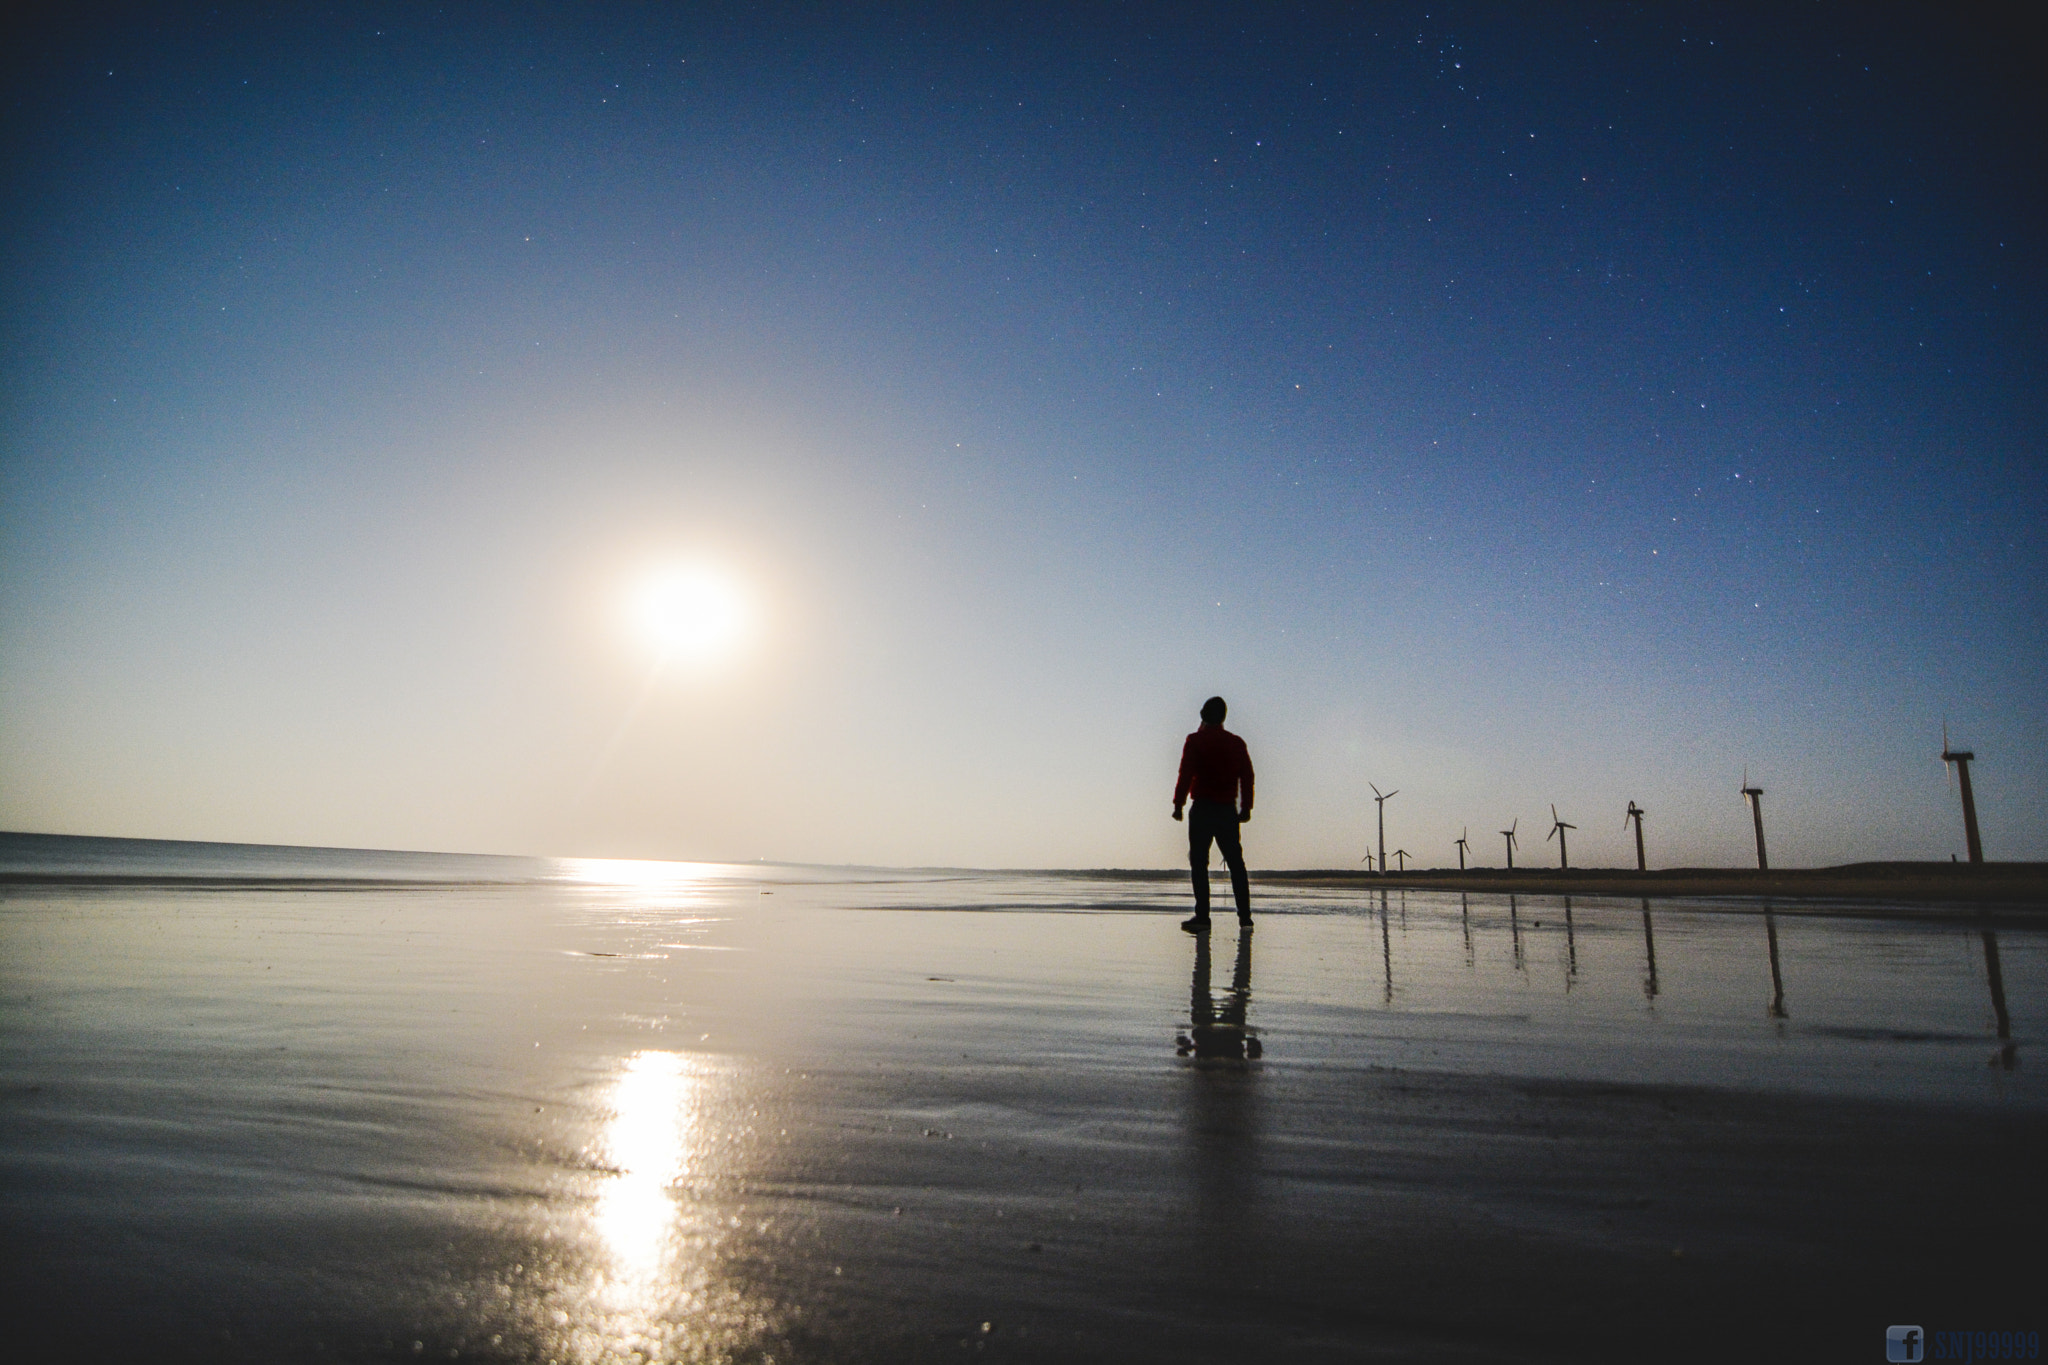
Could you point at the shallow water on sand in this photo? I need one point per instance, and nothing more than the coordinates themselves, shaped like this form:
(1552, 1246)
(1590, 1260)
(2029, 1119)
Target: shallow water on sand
(589, 1111)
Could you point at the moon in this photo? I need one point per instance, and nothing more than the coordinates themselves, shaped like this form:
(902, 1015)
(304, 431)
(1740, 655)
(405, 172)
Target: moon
(691, 613)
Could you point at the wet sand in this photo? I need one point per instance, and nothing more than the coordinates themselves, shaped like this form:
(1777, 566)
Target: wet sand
(1405, 1216)
(755, 1119)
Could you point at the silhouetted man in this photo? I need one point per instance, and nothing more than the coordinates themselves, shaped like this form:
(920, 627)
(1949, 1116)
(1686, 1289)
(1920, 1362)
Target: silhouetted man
(1216, 770)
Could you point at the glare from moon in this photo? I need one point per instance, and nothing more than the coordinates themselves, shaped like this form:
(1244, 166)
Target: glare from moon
(692, 613)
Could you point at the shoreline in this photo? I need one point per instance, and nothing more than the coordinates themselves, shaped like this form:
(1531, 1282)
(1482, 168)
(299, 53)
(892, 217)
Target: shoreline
(2003, 884)
(1865, 886)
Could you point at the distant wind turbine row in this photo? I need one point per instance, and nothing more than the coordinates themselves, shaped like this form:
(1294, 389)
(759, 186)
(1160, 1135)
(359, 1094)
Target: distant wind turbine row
(1752, 795)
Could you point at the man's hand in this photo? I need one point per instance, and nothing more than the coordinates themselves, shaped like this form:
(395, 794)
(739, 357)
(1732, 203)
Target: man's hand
(1244, 817)
(1176, 812)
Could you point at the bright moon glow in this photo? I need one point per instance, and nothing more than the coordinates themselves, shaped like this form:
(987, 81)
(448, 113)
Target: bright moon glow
(692, 613)
(633, 872)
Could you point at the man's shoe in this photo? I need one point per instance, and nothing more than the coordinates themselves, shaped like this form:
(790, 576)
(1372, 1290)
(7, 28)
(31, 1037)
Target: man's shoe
(1198, 925)
(1244, 921)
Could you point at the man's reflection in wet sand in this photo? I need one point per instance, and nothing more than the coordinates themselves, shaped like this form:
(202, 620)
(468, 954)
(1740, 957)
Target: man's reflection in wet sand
(1222, 1120)
(1217, 1032)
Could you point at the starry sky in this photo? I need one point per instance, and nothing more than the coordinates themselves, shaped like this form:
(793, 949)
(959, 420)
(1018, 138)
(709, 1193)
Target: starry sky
(1502, 404)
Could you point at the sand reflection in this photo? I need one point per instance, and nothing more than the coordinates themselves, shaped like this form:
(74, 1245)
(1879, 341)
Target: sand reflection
(648, 1143)
(634, 873)
(654, 1287)
(635, 892)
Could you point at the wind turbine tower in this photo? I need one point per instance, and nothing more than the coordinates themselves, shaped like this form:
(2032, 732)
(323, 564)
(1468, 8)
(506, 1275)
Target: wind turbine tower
(1755, 797)
(1557, 829)
(1509, 835)
(1636, 813)
(1961, 758)
(1382, 800)
(1403, 855)
(1461, 848)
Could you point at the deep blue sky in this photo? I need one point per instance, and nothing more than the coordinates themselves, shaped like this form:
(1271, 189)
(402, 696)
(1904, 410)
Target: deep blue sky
(1503, 404)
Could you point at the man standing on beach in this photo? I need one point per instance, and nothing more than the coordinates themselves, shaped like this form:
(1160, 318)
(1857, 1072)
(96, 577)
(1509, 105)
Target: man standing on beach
(1216, 770)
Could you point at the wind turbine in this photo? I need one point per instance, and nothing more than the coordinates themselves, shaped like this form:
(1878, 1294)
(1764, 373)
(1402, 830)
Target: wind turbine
(1636, 813)
(1961, 758)
(1755, 797)
(1402, 854)
(1382, 800)
(1460, 841)
(1557, 829)
(1509, 835)
(1368, 860)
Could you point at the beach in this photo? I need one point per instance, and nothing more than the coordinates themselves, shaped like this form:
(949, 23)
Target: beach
(543, 1110)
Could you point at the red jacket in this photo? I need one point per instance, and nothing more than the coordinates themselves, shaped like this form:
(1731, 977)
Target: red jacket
(1213, 764)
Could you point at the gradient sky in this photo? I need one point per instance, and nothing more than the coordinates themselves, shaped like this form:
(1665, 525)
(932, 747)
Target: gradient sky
(1504, 404)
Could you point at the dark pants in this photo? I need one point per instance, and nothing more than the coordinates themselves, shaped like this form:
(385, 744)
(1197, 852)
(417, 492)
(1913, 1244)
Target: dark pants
(1215, 820)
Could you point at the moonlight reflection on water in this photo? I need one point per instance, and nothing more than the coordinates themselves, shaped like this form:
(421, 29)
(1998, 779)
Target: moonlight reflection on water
(655, 1288)
(647, 1142)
